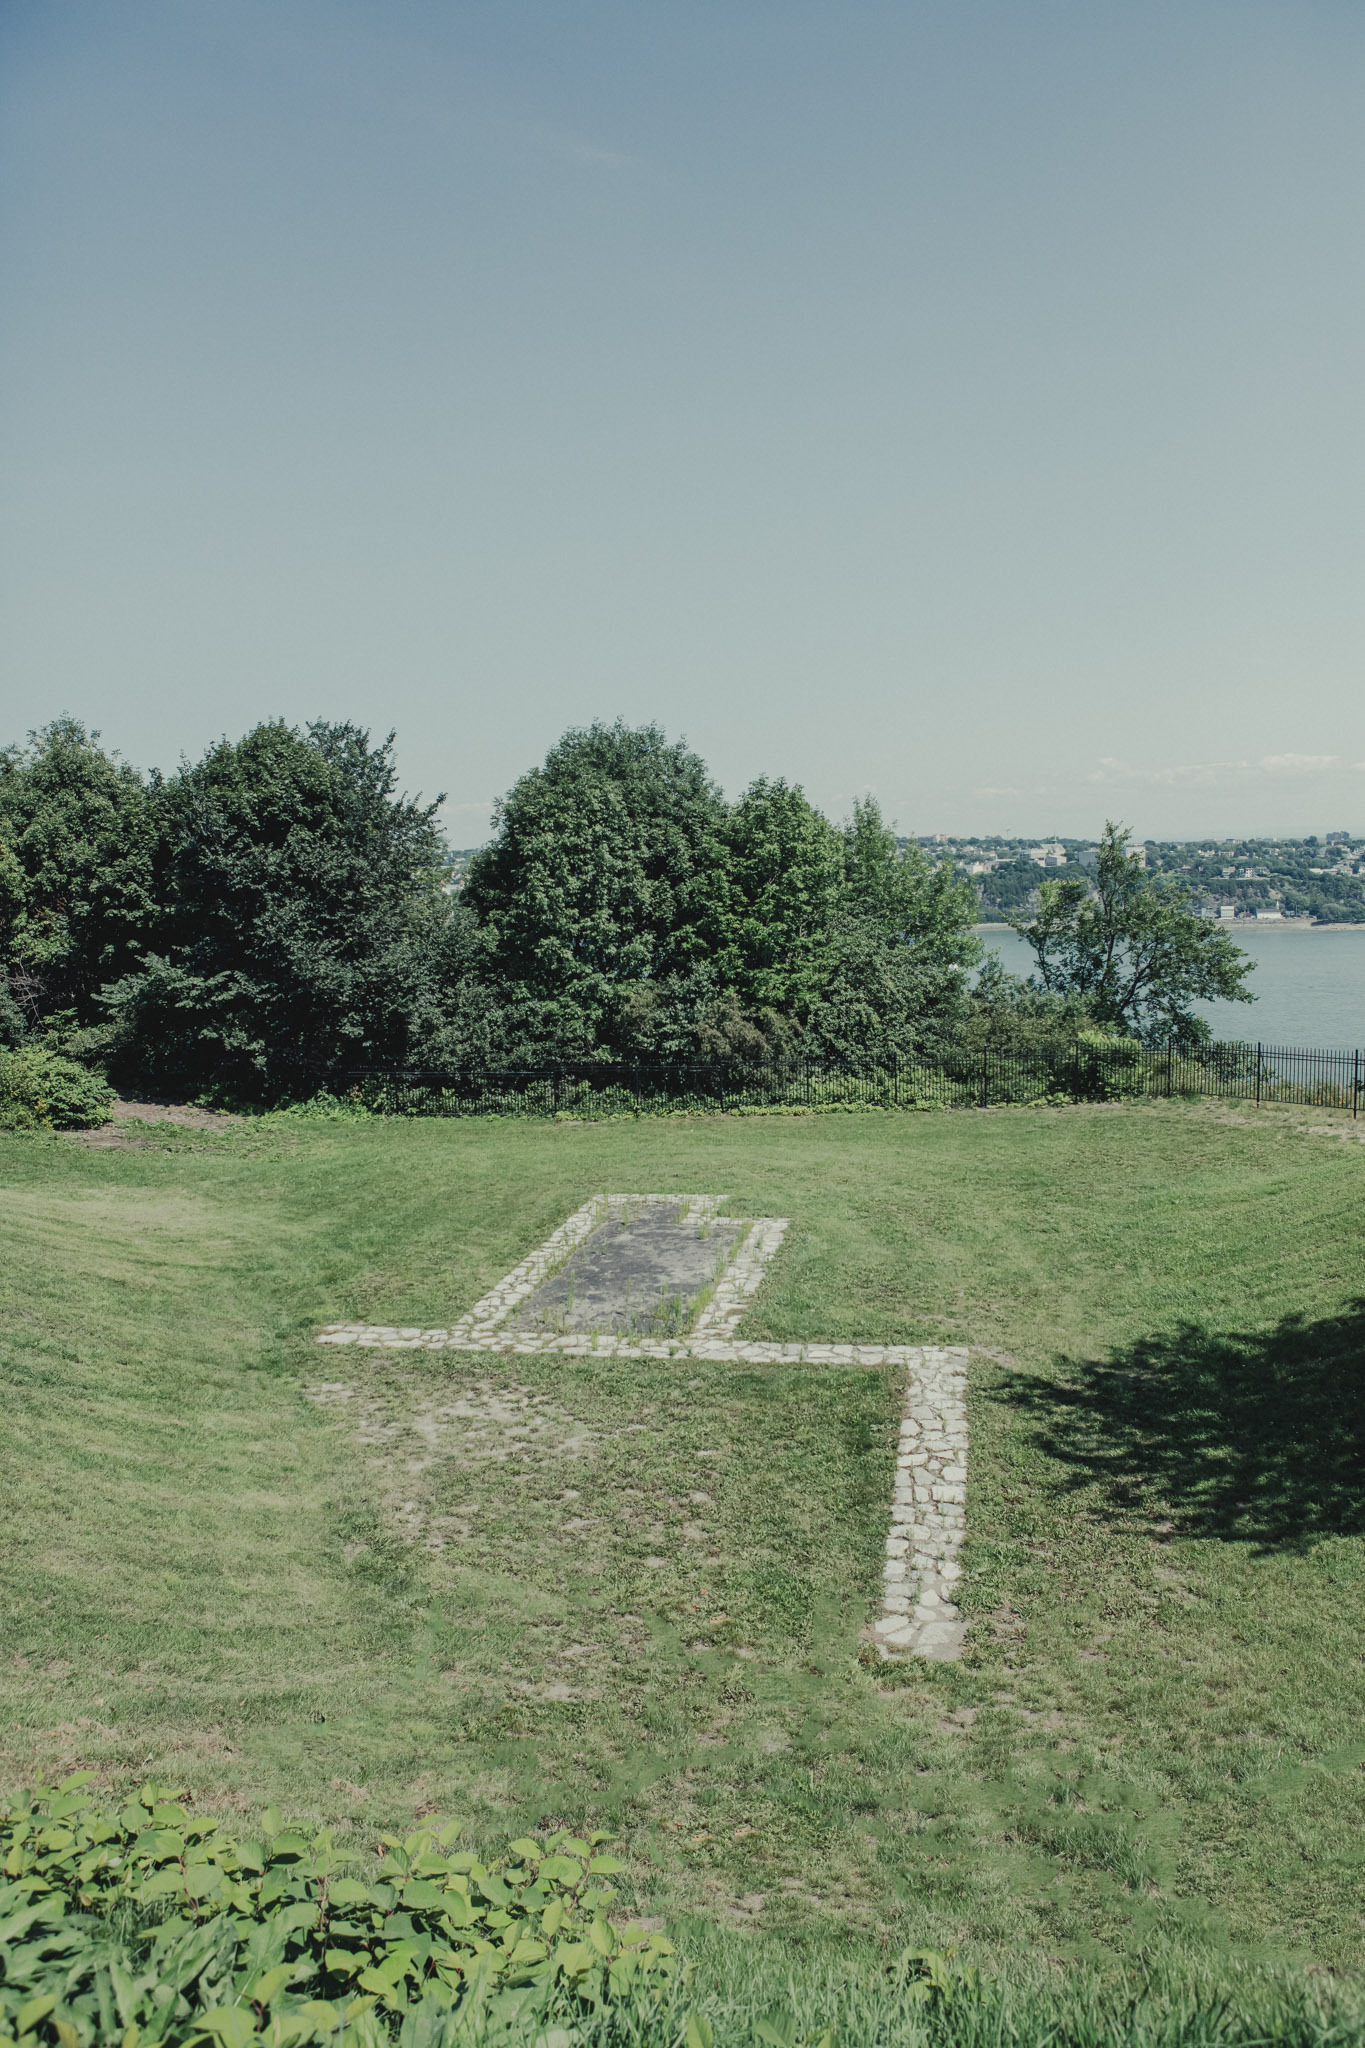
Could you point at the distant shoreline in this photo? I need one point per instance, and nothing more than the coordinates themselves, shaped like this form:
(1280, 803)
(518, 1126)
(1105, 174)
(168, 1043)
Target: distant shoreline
(1244, 924)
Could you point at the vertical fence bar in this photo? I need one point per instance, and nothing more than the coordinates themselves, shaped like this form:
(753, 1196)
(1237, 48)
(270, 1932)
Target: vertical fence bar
(1258, 1070)
(1355, 1086)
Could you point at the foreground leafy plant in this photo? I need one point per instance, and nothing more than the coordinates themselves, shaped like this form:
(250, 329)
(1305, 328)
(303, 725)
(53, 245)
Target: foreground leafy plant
(41, 1089)
(143, 1924)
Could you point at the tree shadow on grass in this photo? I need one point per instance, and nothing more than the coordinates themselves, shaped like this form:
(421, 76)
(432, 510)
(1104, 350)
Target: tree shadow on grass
(1253, 1437)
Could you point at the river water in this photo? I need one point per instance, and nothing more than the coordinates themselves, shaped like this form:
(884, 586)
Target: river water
(1309, 984)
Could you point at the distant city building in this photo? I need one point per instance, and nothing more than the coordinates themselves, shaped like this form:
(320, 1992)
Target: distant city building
(1090, 856)
(1338, 839)
(1270, 914)
(1052, 856)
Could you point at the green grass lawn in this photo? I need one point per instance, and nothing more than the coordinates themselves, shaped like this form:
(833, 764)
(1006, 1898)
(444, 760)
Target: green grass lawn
(365, 1585)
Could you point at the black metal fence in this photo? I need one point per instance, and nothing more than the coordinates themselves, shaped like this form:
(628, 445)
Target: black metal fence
(1076, 1071)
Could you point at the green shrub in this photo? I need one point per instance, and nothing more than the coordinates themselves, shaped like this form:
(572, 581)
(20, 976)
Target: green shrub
(40, 1089)
(325, 1108)
(141, 1924)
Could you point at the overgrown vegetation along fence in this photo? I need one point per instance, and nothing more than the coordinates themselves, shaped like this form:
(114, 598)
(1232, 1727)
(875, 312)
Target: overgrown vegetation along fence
(1079, 1070)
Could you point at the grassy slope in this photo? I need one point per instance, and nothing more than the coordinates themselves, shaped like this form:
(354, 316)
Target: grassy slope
(639, 1592)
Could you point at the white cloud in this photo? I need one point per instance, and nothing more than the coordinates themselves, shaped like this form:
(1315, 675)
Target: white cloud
(1116, 774)
(572, 148)
(1112, 773)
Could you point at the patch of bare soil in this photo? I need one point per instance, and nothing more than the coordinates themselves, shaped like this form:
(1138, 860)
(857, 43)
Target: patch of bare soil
(122, 1112)
(409, 1431)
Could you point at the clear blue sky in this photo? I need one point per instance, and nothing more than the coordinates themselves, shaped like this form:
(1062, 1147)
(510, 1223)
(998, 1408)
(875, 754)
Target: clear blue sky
(962, 402)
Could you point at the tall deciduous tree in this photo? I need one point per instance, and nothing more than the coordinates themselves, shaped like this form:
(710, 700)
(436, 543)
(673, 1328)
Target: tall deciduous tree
(77, 834)
(787, 867)
(608, 868)
(896, 959)
(1132, 951)
(302, 917)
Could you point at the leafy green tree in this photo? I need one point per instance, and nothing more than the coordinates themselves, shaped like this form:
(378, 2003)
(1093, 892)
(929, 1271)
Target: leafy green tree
(895, 960)
(302, 921)
(917, 903)
(77, 837)
(607, 870)
(1133, 952)
(787, 870)
(698, 1016)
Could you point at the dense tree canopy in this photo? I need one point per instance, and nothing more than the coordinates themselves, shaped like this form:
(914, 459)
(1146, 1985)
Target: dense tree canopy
(277, 912)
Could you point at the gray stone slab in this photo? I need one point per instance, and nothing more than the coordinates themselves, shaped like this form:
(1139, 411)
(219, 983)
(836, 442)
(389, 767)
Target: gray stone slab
(641, 1272)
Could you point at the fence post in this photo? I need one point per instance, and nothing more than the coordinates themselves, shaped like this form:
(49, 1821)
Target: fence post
(1170, 1066)
(896, 1079)
(1355, 1087)
(985, 1080)
(1258, 1070)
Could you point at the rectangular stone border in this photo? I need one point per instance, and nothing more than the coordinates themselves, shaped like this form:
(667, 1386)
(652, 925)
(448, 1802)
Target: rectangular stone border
(919, 1616)
(481, 1328)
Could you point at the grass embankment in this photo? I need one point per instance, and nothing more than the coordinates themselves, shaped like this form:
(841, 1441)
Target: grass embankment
(548, 1589)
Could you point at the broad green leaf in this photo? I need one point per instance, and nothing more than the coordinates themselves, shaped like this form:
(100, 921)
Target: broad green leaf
(77, 1778)
(600, 1935)
(698, 2033)
(777, 2028)
(272, 1821)
(166, 1815)
(272, 1983)
(321, 2014)
(36, 2009)
(19, 1923)
(289, 1844)
(606, 1866)
(232, 2025)
(525, 1848)
(419, 1897)
(162, 1883)
(571, 1846)
(303, 1914)
(560, 1870)
(344, 1891)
